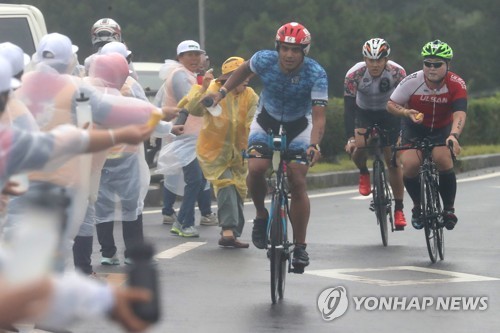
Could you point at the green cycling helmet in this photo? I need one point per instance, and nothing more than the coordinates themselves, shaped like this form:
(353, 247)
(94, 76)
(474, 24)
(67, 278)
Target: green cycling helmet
(438, 49)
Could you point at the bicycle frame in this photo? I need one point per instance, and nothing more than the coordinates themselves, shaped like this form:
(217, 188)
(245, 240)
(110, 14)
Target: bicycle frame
(382, 195)
(431, 211)
(278, 245)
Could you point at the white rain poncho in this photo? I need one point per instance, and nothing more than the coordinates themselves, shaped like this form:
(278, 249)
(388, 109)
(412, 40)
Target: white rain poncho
(51, 98)
(127, 173)
(178, 151)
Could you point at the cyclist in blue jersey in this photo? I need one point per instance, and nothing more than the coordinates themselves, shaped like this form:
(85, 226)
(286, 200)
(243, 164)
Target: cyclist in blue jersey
(295, 95)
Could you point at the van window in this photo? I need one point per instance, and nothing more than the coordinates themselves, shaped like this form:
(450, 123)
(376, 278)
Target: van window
(17, 31)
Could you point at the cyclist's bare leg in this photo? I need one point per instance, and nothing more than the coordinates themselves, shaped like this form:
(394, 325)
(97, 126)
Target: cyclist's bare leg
(442, 158)
(257, 184)
(359, 156)
(395, 174)
(299, 206)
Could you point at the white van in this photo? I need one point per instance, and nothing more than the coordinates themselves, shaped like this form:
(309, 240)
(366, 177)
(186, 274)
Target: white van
(22, 25)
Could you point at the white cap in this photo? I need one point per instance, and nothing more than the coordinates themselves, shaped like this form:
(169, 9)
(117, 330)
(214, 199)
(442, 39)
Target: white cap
(188, 45)
(15, 55)
(115, 47)
(7, 81)
(56, 48)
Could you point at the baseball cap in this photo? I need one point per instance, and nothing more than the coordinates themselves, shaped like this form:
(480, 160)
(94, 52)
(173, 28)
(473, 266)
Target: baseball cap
(229, 66)
(15, 55)
(56, 48)
(189, 45)
(7, 81)
(115, 47)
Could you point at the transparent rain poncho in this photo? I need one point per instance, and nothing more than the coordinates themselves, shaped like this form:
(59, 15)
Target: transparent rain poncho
(51, 98)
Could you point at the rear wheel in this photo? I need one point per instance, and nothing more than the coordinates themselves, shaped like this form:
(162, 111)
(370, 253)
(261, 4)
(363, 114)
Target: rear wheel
(380, 199)
(429, 217)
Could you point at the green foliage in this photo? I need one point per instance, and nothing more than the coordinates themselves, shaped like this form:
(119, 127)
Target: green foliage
(483, 118)
(153, 28)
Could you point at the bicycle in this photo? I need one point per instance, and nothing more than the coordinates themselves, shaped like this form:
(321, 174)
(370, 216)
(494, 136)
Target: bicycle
(381, 193)
(279, 248)
(431, 211)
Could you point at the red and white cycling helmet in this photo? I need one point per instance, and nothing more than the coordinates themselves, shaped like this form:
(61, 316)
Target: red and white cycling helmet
(294, 33)
(376, 48)
(106, 30)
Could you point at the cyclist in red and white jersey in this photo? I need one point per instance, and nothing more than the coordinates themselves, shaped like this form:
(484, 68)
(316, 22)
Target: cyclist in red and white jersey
(367, 87)
(434, 102)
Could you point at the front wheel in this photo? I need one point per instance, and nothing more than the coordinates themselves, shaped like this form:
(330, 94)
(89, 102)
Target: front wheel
(429, 216)
(276, 252)
(380, 199)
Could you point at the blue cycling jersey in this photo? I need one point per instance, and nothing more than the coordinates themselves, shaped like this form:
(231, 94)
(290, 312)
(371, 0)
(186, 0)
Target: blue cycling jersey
(289, 96)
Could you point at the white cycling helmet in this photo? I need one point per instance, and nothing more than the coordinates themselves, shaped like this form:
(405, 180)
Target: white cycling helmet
(105, 30)
(376, 48)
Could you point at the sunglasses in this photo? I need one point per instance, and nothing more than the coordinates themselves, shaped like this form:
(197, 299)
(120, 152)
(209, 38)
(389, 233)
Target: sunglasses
(429, 64)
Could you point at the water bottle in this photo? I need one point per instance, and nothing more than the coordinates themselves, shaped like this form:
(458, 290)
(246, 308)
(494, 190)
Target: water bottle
(214, 110)
(182, 117)
(142, 273)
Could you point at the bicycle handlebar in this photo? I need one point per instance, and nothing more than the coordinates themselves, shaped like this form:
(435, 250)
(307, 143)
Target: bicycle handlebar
(424, 145)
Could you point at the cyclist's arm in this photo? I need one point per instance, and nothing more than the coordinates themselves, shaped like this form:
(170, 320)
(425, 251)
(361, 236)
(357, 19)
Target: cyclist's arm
(318, 129)
(349, 115)
(237, 78)
(400, 111)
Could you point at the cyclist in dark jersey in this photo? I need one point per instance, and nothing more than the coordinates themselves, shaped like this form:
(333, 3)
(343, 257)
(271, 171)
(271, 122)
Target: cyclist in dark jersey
(367, 88)
(434, 102)
(295, 94)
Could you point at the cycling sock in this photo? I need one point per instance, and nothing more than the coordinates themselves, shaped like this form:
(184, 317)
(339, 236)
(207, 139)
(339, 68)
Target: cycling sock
(398, 204)
(364, 171)
(448, 187)
(413, 187)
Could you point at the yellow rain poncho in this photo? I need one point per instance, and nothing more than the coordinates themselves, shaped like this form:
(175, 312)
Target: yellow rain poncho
(223, 138)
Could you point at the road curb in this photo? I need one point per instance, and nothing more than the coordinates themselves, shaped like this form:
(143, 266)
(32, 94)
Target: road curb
(341, 178)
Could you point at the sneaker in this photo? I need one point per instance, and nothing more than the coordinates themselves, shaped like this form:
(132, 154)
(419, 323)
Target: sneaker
(169, 219)
(300, 256)
(233, 242)
(110, 261)
(209, 219)
(189, 232)
(259, 233)
(399, 220)
(365, 187)
(176, 228)
(416, 221)
(450, 219)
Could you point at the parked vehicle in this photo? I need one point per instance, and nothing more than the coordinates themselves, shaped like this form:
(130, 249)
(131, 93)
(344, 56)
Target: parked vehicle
(22, 25)
(147, 73)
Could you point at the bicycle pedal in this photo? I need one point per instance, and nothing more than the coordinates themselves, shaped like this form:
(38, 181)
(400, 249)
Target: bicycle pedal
(372, 206)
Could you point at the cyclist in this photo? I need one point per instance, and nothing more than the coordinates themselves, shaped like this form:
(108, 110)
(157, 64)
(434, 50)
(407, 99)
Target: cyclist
(434, 102)
(367, 87)
(295, 95)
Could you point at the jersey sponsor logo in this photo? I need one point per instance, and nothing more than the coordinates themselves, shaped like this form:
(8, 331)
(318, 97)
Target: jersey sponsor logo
(434, 99)
(408, 78)
(295, 79)
(459, 80)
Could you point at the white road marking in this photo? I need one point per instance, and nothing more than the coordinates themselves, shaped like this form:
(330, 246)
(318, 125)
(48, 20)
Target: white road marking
(335, 193)
(452, 276)
(179, 249)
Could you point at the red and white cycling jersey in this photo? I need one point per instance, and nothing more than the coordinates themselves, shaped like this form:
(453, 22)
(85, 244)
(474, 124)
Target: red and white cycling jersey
(437, 105)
